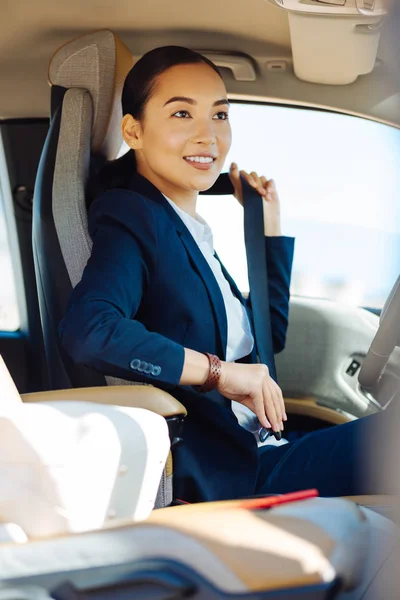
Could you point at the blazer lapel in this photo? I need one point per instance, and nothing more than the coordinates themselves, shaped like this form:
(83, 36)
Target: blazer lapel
(235, 290)
(199, 263)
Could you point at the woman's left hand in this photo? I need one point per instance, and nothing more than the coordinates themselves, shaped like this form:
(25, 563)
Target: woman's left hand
(267, 190)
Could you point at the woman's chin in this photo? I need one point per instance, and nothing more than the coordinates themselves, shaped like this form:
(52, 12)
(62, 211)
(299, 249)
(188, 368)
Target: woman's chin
(204, 181)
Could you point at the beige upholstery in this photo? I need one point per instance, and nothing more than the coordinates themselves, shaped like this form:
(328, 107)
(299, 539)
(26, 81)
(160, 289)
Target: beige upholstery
(308, 407)
(291, 545)
(77, 458)
(92, 68)
(387, 506)
(70, 466)
(237, 550)
(150, 398)
(145, 397)
(97, 62)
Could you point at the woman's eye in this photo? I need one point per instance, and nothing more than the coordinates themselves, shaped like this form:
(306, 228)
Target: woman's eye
(182, 114)
(221, 116)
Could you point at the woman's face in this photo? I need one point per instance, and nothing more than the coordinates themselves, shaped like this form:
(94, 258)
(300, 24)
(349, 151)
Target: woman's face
(182, 141)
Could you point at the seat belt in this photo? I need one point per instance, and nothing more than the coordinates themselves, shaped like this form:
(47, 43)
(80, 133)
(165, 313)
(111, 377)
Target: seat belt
(256, 265)
(257, 273)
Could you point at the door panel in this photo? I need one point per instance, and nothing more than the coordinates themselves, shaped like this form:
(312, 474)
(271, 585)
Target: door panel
(325, 346)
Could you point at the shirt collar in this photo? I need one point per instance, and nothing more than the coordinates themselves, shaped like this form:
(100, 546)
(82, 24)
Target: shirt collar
(197, 226)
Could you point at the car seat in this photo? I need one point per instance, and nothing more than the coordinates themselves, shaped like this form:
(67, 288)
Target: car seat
(86, 77)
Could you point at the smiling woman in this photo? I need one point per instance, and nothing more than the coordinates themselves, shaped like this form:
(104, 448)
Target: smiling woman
(182, 147)
(155, 305)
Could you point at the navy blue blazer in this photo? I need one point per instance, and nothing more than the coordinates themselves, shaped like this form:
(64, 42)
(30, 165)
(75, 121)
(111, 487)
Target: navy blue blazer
(146, 293)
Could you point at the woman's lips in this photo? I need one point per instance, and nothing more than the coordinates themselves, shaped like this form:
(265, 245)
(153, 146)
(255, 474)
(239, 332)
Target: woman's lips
(199, 165)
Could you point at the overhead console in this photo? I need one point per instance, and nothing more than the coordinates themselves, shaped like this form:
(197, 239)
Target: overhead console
(334, 41)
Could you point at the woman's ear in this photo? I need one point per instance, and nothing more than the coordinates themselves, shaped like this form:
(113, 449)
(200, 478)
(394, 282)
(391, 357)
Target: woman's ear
(131, 132)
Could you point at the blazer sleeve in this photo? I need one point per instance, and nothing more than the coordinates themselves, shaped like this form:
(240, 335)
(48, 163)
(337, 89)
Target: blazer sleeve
(99, 328)
(279, 256)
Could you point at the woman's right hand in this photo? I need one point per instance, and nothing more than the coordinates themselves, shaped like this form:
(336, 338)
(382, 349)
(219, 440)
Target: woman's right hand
(252, 386)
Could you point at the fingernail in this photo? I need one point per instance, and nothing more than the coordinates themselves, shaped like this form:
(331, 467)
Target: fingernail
(281, 426)
(268, 425)
(233, 165)
(285, 417)
(276, 428)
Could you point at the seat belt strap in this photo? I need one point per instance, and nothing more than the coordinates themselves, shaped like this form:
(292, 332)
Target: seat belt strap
(256, 266)
(258, 275)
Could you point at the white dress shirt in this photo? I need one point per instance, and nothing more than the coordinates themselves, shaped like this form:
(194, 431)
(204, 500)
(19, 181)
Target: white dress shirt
(240, 339)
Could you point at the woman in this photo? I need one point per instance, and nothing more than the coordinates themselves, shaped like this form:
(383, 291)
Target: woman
(155, 305)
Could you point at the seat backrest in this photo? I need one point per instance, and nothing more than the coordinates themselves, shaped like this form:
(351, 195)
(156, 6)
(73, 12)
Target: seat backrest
(86, 77)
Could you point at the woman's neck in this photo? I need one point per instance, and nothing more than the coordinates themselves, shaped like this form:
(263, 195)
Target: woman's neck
(187, 205)
(184, 199)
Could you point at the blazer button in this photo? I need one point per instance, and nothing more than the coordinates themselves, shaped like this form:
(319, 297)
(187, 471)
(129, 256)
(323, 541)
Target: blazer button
(135, 364)
(142, 366)
(156, 370)
(148, 368)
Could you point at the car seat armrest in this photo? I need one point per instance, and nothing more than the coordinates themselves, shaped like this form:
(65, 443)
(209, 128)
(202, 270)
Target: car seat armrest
(137, 396)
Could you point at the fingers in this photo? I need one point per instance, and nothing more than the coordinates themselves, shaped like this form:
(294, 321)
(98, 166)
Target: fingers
(234, 171)
(274, 405)
(281, 402)
(259, 408)
(263, 186)
(252, 386)
(269, 187)
(234, 176)
(270, 407)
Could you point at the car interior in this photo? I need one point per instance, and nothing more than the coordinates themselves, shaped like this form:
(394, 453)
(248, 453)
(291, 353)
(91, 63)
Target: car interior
(87, 505)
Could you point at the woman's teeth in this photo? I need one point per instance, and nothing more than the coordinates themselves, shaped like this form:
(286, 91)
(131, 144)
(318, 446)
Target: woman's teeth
(200, 159)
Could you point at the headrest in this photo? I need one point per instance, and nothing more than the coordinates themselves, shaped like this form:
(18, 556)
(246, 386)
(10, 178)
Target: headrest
(97, 62)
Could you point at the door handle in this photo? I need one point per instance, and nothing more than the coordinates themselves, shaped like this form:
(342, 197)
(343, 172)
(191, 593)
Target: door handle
(241, 66)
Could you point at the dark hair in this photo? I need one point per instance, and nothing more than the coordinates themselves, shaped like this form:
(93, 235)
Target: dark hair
(138, 88)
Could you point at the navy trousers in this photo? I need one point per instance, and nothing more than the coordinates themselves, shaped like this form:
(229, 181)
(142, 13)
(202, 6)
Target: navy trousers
(343, 460)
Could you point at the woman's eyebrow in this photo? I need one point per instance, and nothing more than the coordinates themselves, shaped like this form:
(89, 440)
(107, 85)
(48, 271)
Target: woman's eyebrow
(193, 102)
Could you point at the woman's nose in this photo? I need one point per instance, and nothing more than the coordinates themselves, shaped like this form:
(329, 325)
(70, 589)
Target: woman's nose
(205, 132)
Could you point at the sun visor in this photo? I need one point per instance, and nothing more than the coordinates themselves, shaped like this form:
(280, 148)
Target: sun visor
(334, 41)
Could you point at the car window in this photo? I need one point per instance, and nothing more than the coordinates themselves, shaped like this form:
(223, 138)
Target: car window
(9, 313)
(338, 179)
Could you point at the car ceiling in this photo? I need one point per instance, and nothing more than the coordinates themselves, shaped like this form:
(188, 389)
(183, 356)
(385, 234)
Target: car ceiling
(31, 31)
